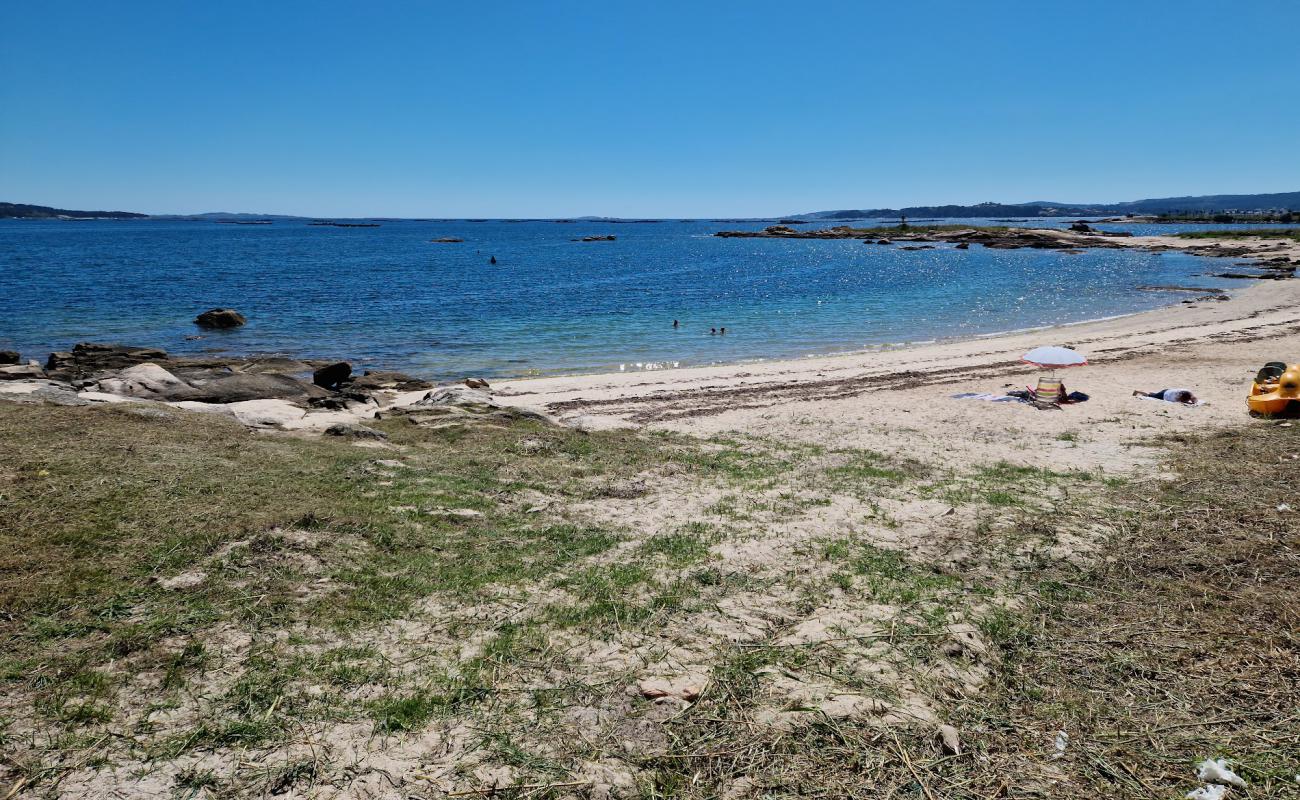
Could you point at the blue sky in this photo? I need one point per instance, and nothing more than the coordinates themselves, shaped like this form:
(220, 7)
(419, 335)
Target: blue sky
(641, 109)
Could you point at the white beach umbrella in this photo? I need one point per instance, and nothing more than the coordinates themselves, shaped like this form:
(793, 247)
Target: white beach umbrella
(1054, 358)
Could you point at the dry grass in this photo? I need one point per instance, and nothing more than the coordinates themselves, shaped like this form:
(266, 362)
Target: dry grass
(1181, 643)
(341, 608)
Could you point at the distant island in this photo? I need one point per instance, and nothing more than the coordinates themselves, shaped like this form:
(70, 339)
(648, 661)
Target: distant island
(1247, 208)
(22, 211)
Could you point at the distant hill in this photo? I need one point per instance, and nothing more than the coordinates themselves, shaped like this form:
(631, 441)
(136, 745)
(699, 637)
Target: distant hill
(22, 211)
(211, 216)
(1238, 203)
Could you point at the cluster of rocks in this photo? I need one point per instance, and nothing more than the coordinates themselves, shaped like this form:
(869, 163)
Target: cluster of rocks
(148, 373)
(1278, 268)
(606, 238)
(270, 392)
(1008, 239)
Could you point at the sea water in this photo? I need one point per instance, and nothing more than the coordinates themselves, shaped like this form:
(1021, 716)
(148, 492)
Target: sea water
(389, 297)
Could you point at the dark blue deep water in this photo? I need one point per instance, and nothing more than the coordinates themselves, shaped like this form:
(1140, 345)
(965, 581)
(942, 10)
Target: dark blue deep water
(388, 297)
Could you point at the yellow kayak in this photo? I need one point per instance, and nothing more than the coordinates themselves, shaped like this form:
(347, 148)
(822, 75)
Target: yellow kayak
(1276, 387)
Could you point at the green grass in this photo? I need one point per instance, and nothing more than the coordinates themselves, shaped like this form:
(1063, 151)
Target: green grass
(98, 504)
(866, 466)
(1244, 233)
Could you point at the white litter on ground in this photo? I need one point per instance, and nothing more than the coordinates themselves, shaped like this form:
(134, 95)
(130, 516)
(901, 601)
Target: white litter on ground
(1211, 791)
(1062, 741)
(1216, 771)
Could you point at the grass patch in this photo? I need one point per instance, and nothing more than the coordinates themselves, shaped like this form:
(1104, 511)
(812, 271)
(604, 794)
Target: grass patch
(1247, 233)
(101, 506)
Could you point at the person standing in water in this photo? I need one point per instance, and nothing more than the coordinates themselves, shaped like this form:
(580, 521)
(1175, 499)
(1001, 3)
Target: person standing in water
(674, 323)
(492, 260)
(722, 331)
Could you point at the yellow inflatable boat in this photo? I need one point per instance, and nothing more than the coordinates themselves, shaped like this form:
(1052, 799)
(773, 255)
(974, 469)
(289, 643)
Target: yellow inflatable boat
(1276, 387)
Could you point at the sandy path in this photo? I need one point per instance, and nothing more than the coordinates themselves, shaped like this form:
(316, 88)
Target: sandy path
(900, 400)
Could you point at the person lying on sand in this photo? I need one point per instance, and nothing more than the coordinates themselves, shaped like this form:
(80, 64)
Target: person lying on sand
(1183, 396)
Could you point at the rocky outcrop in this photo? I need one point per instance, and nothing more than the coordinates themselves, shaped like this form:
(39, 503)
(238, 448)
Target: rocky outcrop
(147, 382)
(153, 382)
(333, 376)
(609, 238)
(21, 372)
(219, 318)
(387, 379)
(995, 238)
(88, 358)
(447, 240)
(238, 386)
(9, 357)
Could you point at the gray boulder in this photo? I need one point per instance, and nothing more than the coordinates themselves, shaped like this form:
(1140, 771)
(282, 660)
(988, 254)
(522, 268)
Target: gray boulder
(149, 382)
(384, 379)
(237, 386)
(355, 431)
(21, 372)
(153, 382)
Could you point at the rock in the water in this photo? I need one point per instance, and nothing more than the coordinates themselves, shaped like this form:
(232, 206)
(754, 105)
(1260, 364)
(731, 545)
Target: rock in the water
(1082, 227)
(90, 358)
(9, 357)
(355, 431)
(883, 241)
(964, 246)
(220, 318)
(447, 240)
(609, 238)
(330, 377)
(476, 383)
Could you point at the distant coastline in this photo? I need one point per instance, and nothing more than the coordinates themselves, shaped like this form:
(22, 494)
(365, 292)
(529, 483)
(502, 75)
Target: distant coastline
(1248, 208)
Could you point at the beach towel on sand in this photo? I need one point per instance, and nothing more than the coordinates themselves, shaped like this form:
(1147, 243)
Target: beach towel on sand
(992, 398)
(1017, 396)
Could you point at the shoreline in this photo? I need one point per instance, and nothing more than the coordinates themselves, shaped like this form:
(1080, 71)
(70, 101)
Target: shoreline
(1259, 317)
(914, 378)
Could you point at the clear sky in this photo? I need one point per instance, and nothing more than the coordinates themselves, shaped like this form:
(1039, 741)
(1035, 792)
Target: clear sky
(640, 109)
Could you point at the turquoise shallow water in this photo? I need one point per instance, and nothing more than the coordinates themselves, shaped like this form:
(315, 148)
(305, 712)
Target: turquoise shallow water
(388, 297)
